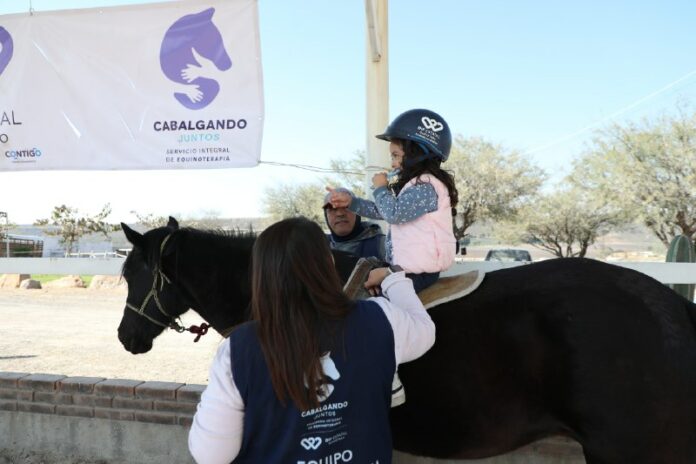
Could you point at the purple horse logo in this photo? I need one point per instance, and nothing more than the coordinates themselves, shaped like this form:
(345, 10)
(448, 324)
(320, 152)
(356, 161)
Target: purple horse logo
(194, 56)
(6, 48)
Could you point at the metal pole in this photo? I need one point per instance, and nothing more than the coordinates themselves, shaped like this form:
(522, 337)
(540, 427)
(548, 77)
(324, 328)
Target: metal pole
(7, 233)
(377, 91)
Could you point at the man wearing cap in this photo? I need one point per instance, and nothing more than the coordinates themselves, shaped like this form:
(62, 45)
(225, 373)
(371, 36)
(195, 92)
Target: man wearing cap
(350, 234)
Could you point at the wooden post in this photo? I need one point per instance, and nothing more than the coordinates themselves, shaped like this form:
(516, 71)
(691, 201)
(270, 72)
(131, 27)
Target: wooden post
(377, 91)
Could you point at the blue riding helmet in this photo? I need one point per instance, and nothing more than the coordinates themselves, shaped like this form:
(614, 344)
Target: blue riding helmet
(424, 127)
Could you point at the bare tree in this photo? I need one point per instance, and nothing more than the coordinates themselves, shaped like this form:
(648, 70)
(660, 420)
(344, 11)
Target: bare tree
(493, 183)
(565, 222)
(150, 220)
(289, 200)
(349, 173)
(649, 171)
(206, 220)
(70, 226)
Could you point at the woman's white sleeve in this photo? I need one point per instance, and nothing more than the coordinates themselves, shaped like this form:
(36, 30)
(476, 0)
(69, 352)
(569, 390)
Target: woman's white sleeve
(216, 432)
(414, 331)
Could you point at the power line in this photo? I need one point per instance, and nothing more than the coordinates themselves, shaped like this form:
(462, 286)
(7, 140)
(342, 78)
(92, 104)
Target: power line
(308, 167)
(611, 116)
(323, 170)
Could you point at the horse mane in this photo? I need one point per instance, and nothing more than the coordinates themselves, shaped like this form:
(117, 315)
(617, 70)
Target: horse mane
(234, 236)
(232, 242)
(205, 247)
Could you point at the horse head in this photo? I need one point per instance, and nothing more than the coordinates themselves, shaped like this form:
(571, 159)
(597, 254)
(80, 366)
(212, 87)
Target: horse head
(189, 34)
(153, 303)
(171, 270)
(207, 40)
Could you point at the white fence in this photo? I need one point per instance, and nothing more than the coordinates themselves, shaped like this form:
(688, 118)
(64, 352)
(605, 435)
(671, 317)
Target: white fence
(83, 266)
(669, 273)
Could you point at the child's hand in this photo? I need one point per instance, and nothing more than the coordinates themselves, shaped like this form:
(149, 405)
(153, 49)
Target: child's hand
(374, 280)
(379, 180)
(339, 199)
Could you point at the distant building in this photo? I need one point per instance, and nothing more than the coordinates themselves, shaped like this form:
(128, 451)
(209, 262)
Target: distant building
(21, 246)
(50, 246)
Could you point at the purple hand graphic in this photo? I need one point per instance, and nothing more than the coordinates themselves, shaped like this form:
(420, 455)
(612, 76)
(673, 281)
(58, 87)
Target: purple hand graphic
(6, 48)
(193, 55)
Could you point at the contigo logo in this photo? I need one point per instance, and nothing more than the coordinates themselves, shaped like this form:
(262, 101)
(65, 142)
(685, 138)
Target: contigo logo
(17, 155)
(432, 124)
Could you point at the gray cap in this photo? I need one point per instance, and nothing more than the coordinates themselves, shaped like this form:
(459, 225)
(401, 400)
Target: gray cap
(328, 195)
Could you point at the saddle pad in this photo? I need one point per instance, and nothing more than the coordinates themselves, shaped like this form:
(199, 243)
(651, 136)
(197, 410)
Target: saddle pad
(444, 290)
(450, 288)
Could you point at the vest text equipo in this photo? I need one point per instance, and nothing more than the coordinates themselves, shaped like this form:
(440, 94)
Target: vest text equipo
(219, 124)
(343, 456)
(326, 407)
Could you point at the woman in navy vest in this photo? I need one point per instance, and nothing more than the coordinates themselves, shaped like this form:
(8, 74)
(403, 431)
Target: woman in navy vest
(308, 380)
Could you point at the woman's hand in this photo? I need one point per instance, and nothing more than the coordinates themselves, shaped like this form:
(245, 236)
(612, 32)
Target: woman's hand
(374, 280)
(339, 199)
(380, 180)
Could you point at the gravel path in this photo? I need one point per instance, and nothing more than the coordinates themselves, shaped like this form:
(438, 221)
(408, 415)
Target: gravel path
(73, 332)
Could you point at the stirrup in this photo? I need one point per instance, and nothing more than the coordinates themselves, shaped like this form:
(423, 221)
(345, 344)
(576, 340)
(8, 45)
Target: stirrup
(398, 396)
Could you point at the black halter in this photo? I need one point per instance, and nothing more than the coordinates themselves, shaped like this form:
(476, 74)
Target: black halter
(159, 278)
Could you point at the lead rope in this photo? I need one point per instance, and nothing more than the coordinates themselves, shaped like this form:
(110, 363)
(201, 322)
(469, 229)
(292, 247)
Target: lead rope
(199, 330)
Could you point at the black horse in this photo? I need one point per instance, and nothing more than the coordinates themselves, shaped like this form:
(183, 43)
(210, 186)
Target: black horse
(574, 347)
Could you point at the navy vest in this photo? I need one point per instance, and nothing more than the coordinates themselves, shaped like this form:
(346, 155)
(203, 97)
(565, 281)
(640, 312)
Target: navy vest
(351, 424)
(372, 247)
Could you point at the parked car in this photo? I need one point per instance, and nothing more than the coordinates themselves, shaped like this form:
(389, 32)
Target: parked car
(508, 255)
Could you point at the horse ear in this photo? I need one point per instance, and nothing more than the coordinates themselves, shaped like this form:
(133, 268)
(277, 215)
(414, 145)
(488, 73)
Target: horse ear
(134, 237)
(173, 223)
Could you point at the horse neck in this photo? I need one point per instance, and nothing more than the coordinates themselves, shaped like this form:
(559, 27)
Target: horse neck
(212, 270)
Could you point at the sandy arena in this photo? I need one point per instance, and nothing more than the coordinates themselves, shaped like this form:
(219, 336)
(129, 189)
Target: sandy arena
(73, 332)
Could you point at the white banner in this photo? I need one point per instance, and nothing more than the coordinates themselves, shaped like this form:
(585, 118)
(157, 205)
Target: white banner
(159, 86)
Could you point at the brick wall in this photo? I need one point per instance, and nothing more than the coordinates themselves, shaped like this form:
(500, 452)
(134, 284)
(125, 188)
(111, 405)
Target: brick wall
(166, 403)
(146, 423)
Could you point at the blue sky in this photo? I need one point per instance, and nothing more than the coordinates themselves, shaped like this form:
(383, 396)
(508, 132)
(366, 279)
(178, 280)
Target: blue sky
(531, 75)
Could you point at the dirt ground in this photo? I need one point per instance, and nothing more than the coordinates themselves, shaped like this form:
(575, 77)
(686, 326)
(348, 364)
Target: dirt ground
(73, 332)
